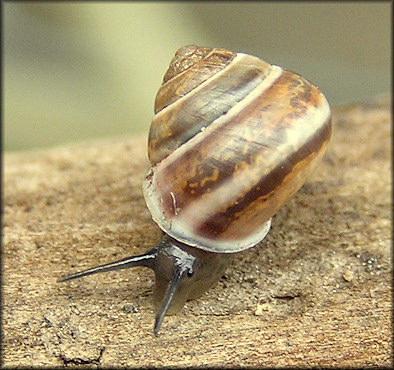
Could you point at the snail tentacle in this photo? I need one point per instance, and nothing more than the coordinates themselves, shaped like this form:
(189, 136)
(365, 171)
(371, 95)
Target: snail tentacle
(180, 272)
(124, 263)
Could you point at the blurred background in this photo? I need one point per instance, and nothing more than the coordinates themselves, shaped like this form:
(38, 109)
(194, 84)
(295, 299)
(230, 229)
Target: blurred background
(82, 71)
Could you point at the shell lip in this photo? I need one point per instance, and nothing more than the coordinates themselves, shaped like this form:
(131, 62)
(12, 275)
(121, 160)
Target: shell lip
(184, 233)
(220, 246)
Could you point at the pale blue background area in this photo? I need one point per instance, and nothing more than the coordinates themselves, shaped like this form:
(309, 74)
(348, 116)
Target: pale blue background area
(82, 71)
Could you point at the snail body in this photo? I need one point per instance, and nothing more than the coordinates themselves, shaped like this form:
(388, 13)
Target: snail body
(232, 140)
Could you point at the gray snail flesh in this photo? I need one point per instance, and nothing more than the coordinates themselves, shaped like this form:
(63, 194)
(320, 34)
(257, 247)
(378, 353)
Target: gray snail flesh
(232, 140)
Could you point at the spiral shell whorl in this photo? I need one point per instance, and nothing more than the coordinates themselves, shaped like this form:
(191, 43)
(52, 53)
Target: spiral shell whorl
(196, 92)
(184, 58)
(232, 151)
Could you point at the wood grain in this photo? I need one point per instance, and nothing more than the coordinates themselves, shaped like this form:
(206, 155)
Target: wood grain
(316, 292)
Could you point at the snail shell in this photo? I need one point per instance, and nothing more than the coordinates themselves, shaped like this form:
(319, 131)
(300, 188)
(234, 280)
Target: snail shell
(233, 139)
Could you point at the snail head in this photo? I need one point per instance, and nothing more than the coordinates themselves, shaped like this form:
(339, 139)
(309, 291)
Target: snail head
(181, 272)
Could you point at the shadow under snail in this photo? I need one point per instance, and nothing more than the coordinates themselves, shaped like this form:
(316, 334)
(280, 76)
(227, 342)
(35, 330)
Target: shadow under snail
(232, 140)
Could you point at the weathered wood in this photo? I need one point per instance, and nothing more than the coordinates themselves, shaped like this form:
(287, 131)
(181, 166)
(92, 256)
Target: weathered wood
(317, 291)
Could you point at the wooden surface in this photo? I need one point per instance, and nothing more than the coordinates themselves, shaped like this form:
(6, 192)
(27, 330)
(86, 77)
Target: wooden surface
(316, 292)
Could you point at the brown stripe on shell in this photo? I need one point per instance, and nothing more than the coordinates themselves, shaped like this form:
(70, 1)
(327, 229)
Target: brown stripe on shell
(266, 188)
(259, 130)
(181, 121)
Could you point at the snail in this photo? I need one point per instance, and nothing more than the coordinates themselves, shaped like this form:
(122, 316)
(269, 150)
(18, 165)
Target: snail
(232, 140)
